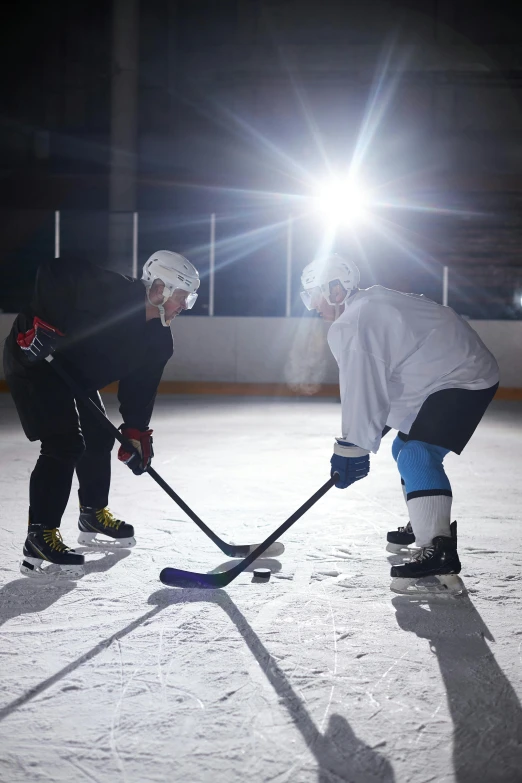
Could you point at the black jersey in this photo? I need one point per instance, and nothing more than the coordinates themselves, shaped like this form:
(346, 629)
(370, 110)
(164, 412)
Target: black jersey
(107, 338)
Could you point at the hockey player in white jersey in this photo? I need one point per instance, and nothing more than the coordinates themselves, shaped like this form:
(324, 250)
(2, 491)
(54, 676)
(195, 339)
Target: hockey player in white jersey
(409, 364)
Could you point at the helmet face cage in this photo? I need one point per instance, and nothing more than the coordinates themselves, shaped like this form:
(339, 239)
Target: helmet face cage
(170, 290)
(190, 301)
(325, 290)
(306, 297)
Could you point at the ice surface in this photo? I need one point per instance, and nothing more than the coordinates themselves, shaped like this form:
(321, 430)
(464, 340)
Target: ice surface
(321, 675)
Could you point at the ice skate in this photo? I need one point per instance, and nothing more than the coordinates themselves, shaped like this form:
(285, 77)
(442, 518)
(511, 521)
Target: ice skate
(434, 569)
(401, 539)
(46, 555)
(99, 528)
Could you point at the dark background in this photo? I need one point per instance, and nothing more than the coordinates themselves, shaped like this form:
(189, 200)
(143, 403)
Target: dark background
(238, 104)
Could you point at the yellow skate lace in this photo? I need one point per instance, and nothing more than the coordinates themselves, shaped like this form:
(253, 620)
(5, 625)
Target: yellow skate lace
(107, 518)
(53, 538)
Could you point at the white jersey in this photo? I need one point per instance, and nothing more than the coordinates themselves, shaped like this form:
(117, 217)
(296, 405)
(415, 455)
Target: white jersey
(393, 351)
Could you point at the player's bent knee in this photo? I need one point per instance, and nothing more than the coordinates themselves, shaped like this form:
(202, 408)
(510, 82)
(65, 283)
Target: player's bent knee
(67, 447)
(397, 446)
(108, 443)
(420, 466)
(102, 446)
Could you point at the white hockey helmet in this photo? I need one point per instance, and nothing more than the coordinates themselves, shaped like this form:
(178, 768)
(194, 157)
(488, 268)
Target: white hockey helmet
(324, 271)
(176, 272)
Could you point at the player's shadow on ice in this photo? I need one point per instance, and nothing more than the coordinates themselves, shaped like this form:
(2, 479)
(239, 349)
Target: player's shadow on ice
(340, 754)
(486, 712)
(27, 595)
(267, 562)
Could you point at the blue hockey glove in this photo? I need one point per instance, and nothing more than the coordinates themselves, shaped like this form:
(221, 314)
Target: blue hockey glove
(350, 462)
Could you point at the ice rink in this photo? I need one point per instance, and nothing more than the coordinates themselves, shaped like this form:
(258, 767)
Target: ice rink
(321, 675)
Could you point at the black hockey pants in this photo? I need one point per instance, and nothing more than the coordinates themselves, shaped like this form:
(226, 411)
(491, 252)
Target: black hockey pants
(72, 439)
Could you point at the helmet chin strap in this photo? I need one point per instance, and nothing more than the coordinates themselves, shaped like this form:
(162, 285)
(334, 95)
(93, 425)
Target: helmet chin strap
(344, 303)
(348, 296)
(160, 307)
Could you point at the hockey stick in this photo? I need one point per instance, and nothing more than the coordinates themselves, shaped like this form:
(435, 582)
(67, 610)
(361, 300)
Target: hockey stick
(174, 577)
(240, 550)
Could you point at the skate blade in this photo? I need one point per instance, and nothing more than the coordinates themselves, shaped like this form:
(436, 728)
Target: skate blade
(405, 549)
(443, 584)
(92, 541)
(52, 572)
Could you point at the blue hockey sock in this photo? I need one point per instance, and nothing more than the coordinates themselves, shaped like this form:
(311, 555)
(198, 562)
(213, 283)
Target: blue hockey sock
(427, 488)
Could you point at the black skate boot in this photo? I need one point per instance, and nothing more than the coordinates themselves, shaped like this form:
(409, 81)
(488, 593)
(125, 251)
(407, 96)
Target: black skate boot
(400, 539)
(45, 555)
(433, 569)
(96, 522)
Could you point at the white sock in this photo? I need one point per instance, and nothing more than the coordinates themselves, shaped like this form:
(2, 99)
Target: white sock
(430, 516)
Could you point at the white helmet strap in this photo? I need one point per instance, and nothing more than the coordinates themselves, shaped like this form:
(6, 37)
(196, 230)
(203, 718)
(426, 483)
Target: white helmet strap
(160, 307)
(326, 294)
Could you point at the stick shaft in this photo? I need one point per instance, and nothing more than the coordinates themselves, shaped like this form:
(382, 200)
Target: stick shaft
(284, 527)
(104, 421)
(177, 577)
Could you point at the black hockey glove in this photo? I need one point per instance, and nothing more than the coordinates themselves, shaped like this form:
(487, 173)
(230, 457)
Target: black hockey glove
(142, 442)
(40, 341)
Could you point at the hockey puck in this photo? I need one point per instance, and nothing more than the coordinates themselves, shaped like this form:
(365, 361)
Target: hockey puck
(263, 574)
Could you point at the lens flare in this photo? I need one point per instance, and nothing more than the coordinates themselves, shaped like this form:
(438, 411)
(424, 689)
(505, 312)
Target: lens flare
(342, 202)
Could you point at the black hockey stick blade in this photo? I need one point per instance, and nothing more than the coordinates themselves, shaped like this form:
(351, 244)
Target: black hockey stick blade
(232, 550)
(175, 577)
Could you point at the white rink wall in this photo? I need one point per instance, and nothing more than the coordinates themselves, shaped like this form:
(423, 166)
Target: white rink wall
(292, 351)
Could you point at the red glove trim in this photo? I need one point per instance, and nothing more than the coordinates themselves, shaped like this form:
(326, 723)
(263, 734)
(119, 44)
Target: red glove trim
(25, 339)
(143, 438)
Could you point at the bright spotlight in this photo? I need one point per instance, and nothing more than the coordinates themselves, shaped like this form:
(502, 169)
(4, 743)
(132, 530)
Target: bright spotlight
(342, 201)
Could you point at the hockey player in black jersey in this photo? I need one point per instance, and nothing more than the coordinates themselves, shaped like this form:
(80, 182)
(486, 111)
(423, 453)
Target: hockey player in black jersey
(102, 327)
